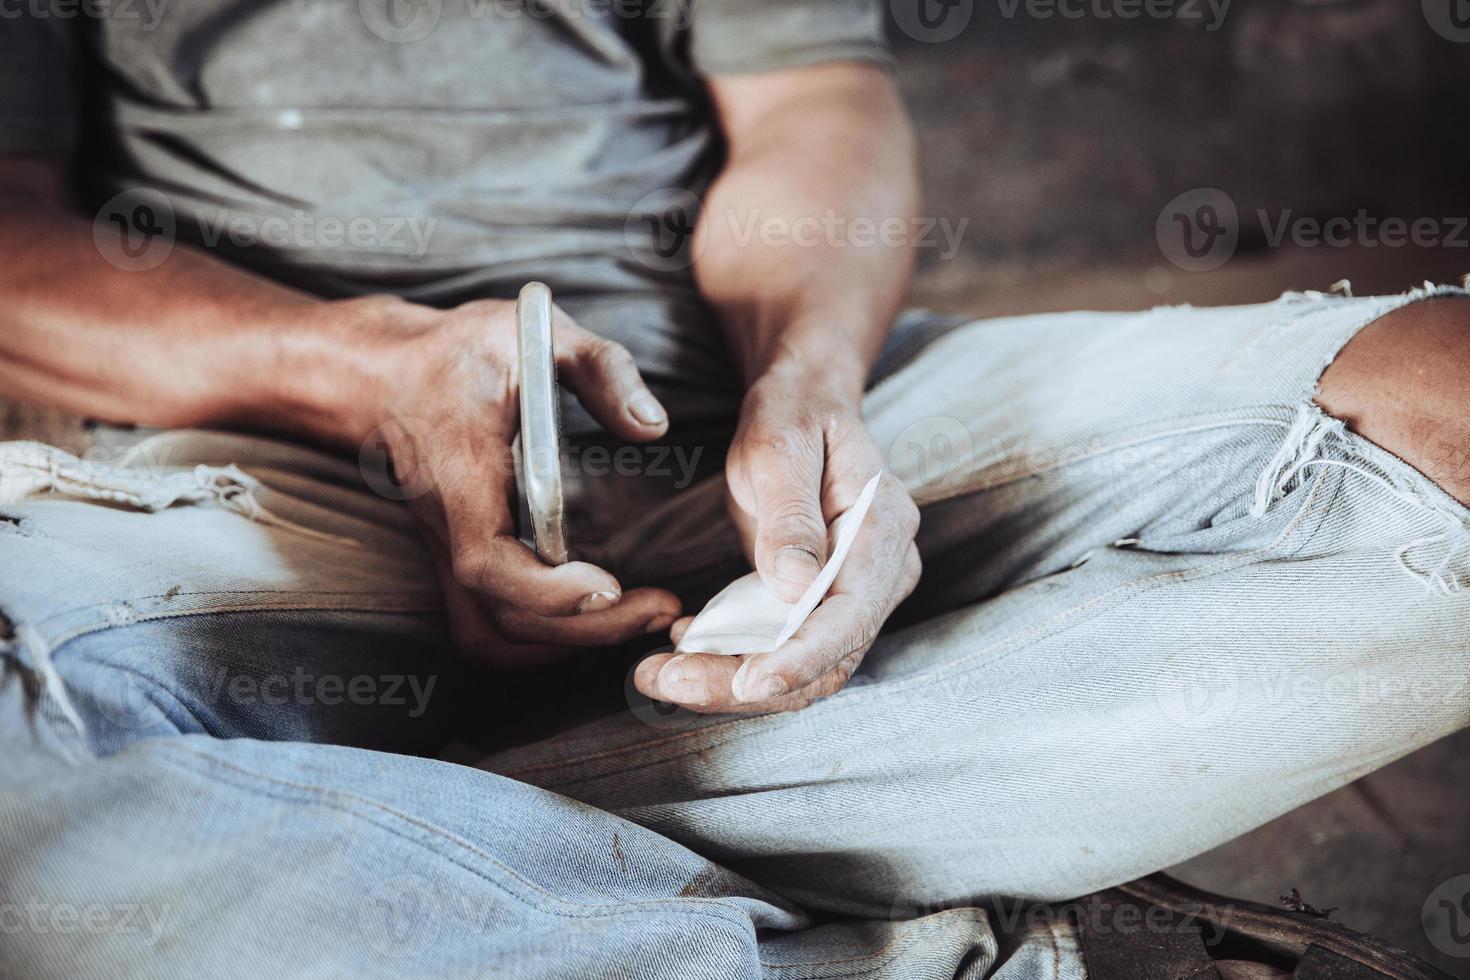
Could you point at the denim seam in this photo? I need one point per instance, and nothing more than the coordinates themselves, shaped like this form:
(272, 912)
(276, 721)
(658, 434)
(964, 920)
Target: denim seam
(352, 804)
(101, 624)
(1059, 623)
(1335, 492)
(1233, 420)
(221, 592)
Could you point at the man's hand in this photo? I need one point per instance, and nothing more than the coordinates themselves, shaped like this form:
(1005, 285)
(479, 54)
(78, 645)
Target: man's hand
(800, 458)
(805, 318)
(442, 399)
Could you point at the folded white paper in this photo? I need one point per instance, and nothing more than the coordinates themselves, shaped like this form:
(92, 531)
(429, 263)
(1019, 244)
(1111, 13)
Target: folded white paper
(746, 617)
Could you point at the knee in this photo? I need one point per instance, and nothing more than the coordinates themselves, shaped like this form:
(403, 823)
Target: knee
(1404, 383)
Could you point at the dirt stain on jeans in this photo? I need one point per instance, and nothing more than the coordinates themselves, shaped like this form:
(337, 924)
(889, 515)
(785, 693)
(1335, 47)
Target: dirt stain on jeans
(617, 849)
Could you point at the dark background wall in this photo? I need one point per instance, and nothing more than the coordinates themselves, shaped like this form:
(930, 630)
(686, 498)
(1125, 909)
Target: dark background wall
(1062, 139)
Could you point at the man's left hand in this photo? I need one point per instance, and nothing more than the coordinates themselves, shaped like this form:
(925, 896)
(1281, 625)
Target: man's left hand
(800, 457)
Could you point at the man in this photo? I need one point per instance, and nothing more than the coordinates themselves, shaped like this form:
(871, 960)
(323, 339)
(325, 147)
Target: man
(210, 634)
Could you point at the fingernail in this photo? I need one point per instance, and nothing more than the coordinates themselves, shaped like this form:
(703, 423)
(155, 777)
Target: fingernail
(646, 409)
(659, 623)
(759, 689)
(645, 677)
(796, 565)
(598, 600)
(679, 684)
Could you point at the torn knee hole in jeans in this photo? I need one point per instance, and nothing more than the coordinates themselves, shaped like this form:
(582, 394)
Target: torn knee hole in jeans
(1304, 448)
(28, 469)
(13, 524)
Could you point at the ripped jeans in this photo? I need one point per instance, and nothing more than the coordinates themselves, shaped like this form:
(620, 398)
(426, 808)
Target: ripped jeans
(1165, 600)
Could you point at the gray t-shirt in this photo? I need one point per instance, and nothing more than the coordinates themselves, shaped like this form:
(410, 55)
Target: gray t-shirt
(443, 149)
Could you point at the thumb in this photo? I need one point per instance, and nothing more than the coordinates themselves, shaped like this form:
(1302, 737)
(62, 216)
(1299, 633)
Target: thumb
(790, 535)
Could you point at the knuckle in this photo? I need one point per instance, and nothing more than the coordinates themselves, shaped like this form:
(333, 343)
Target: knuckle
(475, 308)
(792, 517)
(513, 625)
(793, 680)
(612, 356)
(789, 443)
(471, 567)
(871, 615)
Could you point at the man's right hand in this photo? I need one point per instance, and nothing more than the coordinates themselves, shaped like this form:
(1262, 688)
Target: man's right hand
(441, 396)
(199, 342)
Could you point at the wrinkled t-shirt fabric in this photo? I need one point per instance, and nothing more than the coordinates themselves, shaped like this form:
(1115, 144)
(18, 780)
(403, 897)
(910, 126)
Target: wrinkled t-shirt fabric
(443, 149)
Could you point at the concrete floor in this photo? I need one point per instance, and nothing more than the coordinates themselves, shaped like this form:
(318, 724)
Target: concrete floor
(1376, 849)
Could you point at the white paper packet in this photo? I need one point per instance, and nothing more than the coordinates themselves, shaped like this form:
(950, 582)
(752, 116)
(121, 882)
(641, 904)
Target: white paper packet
(745, 617)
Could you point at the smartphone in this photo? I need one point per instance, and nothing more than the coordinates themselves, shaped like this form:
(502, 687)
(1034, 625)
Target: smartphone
(540, 438)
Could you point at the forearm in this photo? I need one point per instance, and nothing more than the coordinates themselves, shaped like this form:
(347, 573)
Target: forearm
(193, 341)
(804, 248)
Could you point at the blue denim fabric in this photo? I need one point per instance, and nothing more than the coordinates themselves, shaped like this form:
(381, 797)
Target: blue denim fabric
(1165, 600)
